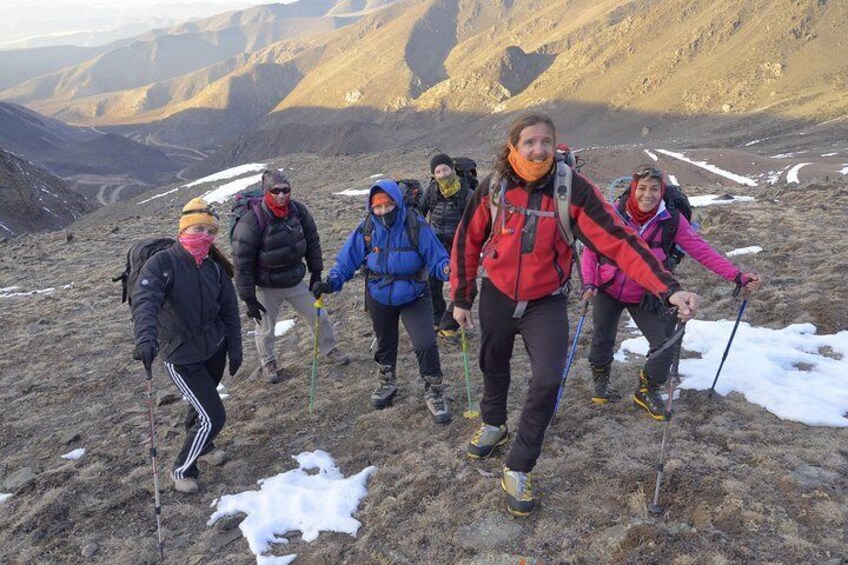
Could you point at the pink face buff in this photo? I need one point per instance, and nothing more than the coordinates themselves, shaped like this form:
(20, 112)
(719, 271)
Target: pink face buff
(198, 244)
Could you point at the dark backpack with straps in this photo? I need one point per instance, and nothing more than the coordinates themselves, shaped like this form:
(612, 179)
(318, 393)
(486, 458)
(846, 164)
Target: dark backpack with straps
(413, 232)
(137, 256)
(677, 203)
(411, 190)
(248, 200)
(466, 168)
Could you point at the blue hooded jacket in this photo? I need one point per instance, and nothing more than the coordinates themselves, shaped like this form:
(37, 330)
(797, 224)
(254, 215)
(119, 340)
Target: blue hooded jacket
(388, 258)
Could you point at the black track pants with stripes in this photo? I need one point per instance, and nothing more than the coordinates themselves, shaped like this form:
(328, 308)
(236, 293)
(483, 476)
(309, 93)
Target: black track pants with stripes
(205, 417)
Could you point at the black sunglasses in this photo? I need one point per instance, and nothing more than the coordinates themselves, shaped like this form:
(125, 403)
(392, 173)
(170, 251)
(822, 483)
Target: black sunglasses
(285, 189)
(649, 172)
(206, 210)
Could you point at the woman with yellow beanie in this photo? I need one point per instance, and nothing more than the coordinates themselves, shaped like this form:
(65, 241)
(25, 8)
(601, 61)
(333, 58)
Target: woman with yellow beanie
(185, 300)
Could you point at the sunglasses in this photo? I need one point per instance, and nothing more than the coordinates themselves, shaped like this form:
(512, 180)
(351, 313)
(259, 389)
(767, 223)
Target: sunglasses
(649, 172)
(206, 210)
(285, 189)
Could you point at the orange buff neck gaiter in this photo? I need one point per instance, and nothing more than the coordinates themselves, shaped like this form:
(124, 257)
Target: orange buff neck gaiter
(528, 170)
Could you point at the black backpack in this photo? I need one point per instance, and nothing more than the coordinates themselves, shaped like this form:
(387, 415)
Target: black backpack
(137, 256)
(677, 203)
(411, 190)
(466, 168)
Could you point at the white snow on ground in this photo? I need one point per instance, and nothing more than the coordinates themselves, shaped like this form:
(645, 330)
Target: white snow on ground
(282, 327)
(673, 180)
(753, 142)
(792, 372)
(711, 168)
(222, 392)
(651, 155)
(715, 199)
(787, 155)
(843, 171)
(8, 289)
(353, 192)
(30, 293)
(2, 225)
(829, 154)
(377, 176)
(296, 501)
(232, 188)
(745, 251)
(792, 175)
(221, 175)
(75, 454)
(4, 496)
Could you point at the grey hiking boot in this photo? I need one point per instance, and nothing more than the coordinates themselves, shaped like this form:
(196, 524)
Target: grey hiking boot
(486, 439)
(386, 390)
(603, 392)
(270, 372)
(216, 457)
(435, 399)
(336, 357)
(648, 396)
(519, 492)
(187, 485)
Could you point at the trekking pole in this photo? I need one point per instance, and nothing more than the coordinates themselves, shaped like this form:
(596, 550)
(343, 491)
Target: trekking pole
(655, 507)
(472, 411)
(570, 359)
(729, 343)
(157, 507)
(319, 304)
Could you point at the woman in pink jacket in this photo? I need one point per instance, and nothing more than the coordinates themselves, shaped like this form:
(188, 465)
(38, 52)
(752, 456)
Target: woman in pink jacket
(645, 211)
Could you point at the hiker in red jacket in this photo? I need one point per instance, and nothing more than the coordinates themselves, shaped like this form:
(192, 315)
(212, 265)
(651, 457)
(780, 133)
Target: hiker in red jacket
(527, 264)
(643, 208)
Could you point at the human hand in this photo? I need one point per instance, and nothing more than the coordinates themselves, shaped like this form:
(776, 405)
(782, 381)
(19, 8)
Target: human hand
(463, 317)
(254, 308)
(146, 352)
(687, 304)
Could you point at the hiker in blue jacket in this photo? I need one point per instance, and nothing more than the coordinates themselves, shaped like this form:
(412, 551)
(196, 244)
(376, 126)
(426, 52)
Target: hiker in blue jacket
(399, 253)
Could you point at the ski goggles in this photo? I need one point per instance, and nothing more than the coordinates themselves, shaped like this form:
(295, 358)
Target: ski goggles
(284, 189)
(647, 173)
(208, 210)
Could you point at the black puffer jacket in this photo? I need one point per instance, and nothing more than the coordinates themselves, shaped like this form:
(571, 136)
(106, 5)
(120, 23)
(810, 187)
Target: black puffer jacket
(274, 259)
(189, 311)
(445, 213)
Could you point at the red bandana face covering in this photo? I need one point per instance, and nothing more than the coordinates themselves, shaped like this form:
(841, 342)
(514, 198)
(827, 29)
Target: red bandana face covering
(633, 209)
(198, 244)
(279, 210)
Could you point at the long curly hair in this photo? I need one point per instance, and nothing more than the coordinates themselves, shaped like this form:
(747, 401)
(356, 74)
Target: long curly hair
(524, 120)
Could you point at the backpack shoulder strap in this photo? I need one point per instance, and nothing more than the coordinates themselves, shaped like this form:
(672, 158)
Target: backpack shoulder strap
(367, 232)
(413, 228)
(562, 194)
(670, 231)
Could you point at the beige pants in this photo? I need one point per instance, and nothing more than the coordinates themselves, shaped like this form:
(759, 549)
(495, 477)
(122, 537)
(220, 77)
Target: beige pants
(303, 302)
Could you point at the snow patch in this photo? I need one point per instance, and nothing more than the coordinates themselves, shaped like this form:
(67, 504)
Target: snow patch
(30, 293)
(792, 175)
(745, 251)
(282, 327)
(750, 143)
(829, 154)
(792, 372)
(377, 176)
(296, 501)
(232, 188)
(2, 225)
(841, 172)
(75, 454)
(711, 168)
(353, 192)
(4, 496)
(651, 155)
(221, 175)
(673, 180)
(715, 199)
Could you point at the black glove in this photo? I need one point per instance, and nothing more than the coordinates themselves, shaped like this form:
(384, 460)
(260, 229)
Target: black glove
(235, 363)
(146, 352)
(254, 308)
(315, 278)
(322, 287)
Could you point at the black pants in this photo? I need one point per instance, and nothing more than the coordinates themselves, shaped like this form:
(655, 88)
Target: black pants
(205, 416)
(417, 318)
(606, 313)
(442, 313)
(544, 329)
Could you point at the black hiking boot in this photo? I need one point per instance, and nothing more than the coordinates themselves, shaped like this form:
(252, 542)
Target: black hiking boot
(603, 392)
(386, 390)
(519, 492)
(648, 397)
(435, 399)
(486, 440)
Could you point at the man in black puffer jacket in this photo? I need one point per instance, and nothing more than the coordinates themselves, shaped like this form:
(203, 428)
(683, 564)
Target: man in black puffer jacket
(270, 268)
(444, 201)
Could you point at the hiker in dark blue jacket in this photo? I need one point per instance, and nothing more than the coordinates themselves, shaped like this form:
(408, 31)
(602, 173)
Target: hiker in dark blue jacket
(184, 300)
(396, 288)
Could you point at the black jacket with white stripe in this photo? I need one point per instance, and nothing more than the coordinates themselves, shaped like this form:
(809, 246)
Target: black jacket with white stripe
(189, 310)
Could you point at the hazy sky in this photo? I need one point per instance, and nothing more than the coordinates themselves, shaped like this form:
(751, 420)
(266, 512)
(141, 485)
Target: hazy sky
(88, 22)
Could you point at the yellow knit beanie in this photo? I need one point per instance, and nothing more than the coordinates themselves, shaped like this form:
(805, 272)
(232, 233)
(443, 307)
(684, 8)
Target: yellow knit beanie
(196, 212)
